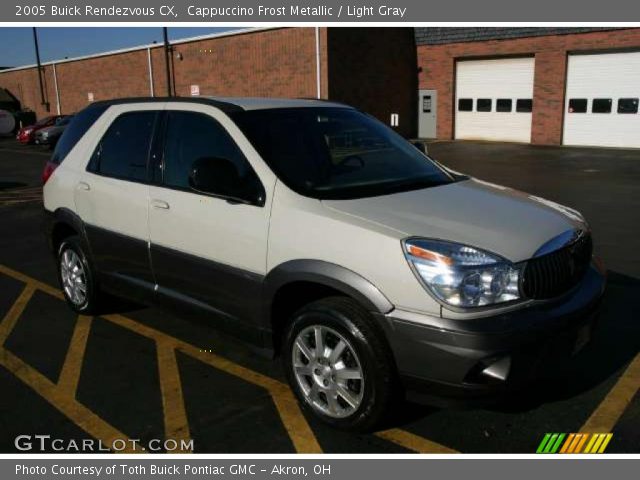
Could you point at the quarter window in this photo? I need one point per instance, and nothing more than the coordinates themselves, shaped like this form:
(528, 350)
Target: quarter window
(524, 105)
(193, 136)
(601, 105)
(465, 104)
(124, 149)
(503, 105)
(483, 105)
(628, 105)
(578, 105)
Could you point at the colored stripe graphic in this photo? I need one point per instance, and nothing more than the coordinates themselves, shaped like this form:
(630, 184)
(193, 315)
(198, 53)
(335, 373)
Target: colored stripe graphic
(574, 443)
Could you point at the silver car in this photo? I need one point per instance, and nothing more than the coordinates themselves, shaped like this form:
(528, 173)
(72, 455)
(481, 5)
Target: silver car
(50, 135)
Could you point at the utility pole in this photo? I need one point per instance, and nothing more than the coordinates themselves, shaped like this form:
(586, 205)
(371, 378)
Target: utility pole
(167, 50)
(35, 42)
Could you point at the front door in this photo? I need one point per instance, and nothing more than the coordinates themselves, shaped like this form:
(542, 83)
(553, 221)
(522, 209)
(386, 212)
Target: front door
(207, 250)
(427, 102)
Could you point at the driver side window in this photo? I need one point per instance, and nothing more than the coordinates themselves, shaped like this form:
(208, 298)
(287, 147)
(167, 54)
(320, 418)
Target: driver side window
(192, 136)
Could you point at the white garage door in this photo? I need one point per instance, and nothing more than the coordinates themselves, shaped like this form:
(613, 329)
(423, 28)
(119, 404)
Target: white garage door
(601, 103)
(494, 99)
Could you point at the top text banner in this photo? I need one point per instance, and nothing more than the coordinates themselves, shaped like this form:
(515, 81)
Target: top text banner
(271, 11)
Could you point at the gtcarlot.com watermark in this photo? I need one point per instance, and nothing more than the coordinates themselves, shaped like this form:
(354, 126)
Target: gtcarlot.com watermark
(47, 443)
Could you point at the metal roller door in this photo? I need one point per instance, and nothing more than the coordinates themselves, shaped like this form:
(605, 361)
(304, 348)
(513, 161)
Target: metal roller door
(601, 102)
(494, 99)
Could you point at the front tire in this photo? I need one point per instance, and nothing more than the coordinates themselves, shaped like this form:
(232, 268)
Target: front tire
(338, 364)
(76, 277)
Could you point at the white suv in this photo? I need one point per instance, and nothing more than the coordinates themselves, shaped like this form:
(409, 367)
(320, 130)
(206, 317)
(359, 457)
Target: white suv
(312, 230)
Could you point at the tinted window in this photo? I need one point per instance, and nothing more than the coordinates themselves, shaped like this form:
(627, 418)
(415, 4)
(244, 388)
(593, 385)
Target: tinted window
(601, 105)
(124, 148)
(78, 126)
(628, 105)
(191, 136)
(337, 153)
(483, 105)
(578, 105)
(465, 104)
(524, 105)
(503, 105)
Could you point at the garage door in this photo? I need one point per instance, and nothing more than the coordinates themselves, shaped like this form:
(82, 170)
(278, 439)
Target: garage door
(601, 103)
(494, 99)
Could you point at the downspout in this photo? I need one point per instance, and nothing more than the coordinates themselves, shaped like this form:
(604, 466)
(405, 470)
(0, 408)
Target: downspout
(55, 84)
(318, 86)
(151, 92)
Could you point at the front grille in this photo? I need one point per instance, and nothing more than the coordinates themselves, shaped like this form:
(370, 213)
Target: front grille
(557, 272)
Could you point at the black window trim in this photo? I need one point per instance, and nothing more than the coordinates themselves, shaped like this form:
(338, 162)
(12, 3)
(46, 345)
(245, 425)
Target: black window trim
(523, 100)
(586, 105)
(93, 169)
(160, 151)
(465, 99)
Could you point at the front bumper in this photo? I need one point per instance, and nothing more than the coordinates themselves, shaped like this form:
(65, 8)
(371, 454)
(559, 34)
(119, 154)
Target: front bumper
(486, 357)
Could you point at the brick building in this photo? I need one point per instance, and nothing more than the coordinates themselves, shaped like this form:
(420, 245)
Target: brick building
(554, 86)
(271, 62)
(574, 86)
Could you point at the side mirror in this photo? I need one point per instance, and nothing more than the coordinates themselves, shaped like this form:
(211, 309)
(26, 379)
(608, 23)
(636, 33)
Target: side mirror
(220, 177)
(420, 146)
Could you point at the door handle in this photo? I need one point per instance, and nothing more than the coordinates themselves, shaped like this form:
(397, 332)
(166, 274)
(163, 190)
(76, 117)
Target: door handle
(84, 186)
(160, 204)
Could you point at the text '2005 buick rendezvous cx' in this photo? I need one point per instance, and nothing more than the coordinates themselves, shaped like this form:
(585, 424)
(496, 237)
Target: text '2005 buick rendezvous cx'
(318, 234)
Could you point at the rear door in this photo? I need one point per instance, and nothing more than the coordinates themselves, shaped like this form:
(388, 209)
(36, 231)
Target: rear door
(112, 195)
(207, 249)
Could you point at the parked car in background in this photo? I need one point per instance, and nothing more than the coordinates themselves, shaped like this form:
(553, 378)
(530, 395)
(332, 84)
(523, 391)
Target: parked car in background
(50, 135)
(27, 134)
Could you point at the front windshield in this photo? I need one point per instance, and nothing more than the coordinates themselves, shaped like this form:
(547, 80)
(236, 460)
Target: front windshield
(339, 153)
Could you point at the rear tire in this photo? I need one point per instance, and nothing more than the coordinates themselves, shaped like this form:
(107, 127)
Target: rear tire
(76, 277)
(349, 382)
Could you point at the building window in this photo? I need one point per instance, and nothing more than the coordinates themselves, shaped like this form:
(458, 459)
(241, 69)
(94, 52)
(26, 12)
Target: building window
(524, 105)
(483, 105)
(503, 105)
(578, 105)
(465, 104)
(628, 105)
(601, 105)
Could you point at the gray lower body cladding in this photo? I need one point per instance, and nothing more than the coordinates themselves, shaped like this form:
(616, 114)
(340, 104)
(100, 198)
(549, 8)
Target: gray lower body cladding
(483, 360)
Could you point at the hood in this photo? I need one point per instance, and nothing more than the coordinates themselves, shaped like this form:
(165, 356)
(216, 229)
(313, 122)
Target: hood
(498, 219)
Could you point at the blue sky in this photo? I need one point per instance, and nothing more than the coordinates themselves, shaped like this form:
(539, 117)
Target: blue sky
(59, 42)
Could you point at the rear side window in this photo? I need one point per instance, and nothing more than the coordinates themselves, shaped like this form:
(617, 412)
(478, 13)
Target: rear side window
(191, 136)
(628, 105)
(78, 126)
(124, 148)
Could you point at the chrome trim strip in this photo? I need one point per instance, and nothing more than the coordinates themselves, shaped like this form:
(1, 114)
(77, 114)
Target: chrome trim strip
(560, 241)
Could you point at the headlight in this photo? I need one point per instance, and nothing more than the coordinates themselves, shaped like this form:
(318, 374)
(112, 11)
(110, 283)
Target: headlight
(463, 276)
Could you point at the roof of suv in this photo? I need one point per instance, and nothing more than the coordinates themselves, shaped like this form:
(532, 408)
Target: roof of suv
(230, 104)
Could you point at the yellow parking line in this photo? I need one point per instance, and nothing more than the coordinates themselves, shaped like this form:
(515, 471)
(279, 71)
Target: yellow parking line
(296, 425)
(413, 442)
(52, 393)
(176, 425)
(70, 374)
(11, 317)
(37, 284)
(605, 417)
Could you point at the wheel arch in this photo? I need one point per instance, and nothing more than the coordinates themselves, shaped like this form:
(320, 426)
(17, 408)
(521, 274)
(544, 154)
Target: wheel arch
(308, 280)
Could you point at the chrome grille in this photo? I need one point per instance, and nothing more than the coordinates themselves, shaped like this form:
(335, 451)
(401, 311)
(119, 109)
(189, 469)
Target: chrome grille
(557, 272)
